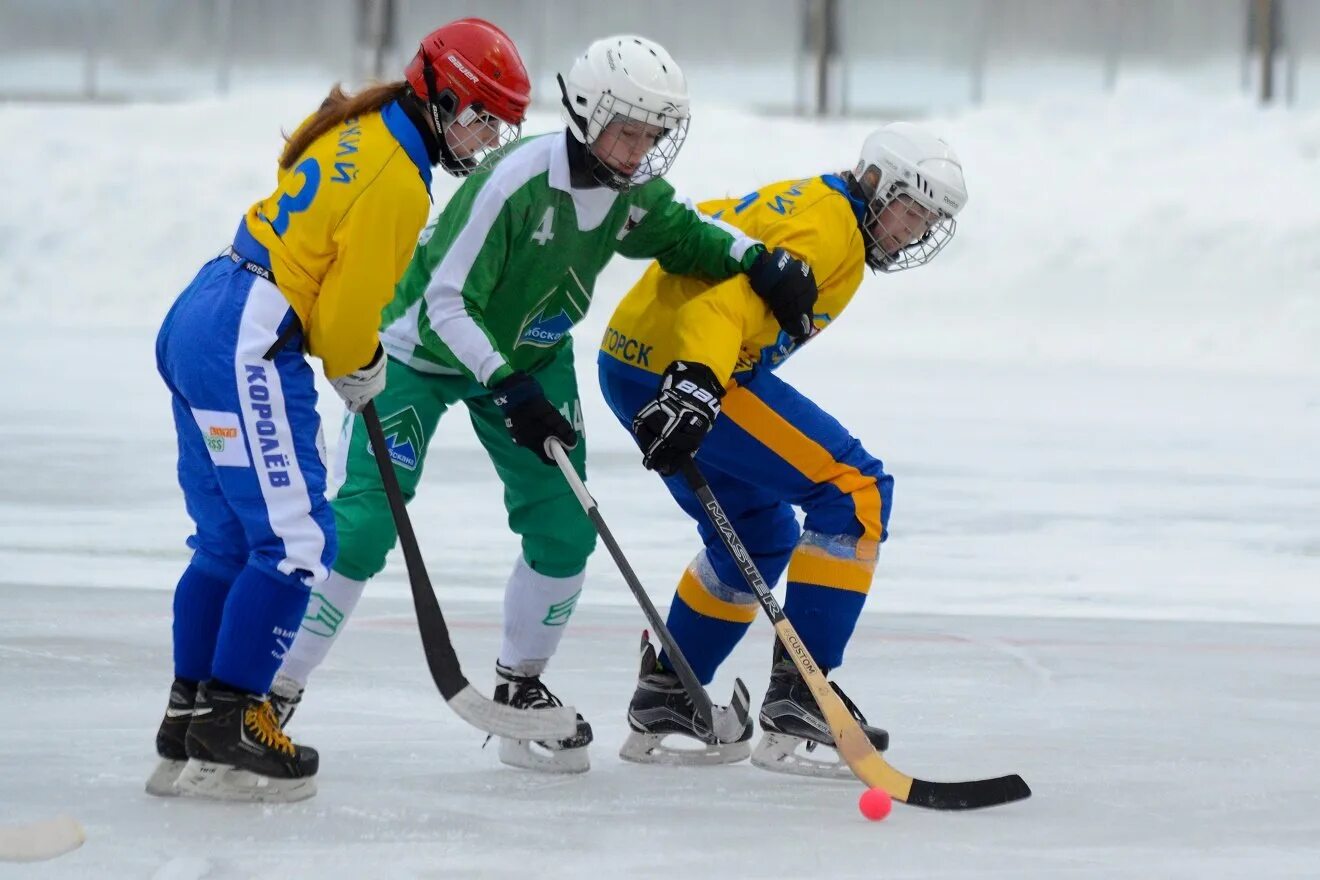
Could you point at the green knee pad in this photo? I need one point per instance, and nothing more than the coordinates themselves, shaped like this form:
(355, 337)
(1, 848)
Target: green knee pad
(563, 552)
(366, 533)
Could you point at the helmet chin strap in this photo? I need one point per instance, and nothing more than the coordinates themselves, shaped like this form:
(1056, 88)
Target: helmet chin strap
(858, 194)
(415, 109)
(444, 107)
(578, 122)
(584, 168)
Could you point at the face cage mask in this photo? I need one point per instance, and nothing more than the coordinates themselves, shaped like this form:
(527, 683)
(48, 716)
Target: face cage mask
(610, 168)
(482, 137)
(472, 138)
(883, 256)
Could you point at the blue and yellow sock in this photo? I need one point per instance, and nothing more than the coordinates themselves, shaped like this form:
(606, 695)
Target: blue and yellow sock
(826, 592)
(707, 626)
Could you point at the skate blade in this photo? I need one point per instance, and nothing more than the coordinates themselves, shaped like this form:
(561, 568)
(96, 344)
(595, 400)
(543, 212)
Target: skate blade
(163, 781)
(530, 755)
(224, 782)
(781, 753)
(652, 748)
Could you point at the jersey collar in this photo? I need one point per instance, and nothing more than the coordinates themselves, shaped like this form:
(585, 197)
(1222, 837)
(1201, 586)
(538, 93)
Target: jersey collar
(399, 125)
(833, 181)
(591, 204)
(561, 174)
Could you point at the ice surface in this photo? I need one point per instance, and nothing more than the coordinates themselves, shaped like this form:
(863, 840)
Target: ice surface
(1155, 749)
(1101, 407)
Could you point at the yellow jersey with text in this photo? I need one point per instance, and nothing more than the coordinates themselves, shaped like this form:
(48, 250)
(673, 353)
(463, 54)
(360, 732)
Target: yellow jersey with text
(725, 325)
(339, 231)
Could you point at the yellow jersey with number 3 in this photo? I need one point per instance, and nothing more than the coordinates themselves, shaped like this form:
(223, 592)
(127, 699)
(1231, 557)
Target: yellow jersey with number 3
(725, 325)
(340, 228)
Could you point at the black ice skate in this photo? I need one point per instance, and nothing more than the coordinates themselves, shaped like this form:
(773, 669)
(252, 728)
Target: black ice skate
(169, 739)
(661, 707)
(522, 691)
(237, 751)
(285, 697)
(791, 718)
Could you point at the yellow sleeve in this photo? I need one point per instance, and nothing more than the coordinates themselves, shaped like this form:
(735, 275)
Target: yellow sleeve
(374, 242)
(711, 326)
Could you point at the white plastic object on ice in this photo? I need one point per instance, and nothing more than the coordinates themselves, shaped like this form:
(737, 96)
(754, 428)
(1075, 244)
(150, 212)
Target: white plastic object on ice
(38, 841)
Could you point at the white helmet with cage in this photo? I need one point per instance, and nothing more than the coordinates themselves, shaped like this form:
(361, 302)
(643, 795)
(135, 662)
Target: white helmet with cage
(913, 185)
(626, 78)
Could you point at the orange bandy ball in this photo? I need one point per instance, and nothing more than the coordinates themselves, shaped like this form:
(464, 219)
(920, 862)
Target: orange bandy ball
(875, 804)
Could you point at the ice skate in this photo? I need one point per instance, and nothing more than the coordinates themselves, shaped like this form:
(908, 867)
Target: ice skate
(665, 728)
(237, 751)
(170, 739)
(524, 691)
(793, 727)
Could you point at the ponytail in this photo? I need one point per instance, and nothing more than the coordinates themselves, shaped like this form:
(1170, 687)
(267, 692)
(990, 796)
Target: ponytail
(337, 107)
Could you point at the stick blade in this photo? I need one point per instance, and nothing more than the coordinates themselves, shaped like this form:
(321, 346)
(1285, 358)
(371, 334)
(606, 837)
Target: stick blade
(875, 771)
(39, 841)
(971, 795)
(501, 720)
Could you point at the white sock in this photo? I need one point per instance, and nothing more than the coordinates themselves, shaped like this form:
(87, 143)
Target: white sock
(331, 605)
(536, 611)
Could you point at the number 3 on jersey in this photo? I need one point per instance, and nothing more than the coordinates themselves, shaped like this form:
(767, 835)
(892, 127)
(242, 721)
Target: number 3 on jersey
(546, 230)
(292, 203)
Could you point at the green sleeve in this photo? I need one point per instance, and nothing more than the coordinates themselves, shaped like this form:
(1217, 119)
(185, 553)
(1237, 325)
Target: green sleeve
(683, 240)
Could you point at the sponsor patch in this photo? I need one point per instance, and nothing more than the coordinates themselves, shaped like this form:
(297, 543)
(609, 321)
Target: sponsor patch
(404, 436)
(543, 331)
(223, 436)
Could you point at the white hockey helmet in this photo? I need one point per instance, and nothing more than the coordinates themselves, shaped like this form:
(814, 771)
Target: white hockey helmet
(913, 184)
(630, 78)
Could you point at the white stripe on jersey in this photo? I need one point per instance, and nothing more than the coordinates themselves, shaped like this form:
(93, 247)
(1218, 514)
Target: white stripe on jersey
(402, 335)
(741, 240)
(445, 306)
(338, 467)
(288, 505)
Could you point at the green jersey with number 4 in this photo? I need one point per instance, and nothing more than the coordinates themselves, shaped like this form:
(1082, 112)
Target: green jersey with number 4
(510, 264)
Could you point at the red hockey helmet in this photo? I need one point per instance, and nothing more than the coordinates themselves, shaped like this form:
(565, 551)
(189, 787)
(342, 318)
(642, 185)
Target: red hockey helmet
(474, 85)
(471, 67)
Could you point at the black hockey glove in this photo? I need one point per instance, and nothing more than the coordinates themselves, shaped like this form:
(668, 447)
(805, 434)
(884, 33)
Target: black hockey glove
(788, 287)
(530, 417)
(670, 428)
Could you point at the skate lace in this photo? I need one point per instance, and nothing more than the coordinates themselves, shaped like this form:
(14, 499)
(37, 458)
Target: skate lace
(260, 720)
(533, 694)
(849, 704)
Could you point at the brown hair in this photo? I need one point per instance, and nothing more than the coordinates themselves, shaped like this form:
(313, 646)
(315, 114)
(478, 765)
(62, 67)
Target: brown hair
(337, 106)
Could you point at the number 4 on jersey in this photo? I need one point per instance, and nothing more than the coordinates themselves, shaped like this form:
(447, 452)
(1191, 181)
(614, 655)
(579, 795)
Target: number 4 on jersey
(546, 230)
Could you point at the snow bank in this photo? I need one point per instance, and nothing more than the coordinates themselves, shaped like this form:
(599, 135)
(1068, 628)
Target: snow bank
(1152, 227)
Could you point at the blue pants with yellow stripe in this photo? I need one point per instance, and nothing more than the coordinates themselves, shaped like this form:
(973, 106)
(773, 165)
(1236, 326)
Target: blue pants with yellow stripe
(771, 450)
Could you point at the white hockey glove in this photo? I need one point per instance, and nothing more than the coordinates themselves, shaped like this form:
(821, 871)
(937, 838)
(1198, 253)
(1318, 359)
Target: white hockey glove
(360, 386)
(670, 428)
